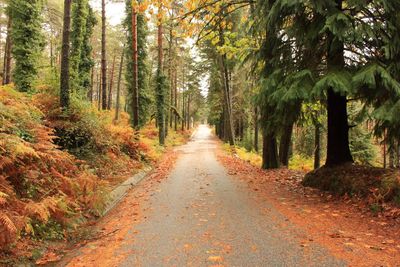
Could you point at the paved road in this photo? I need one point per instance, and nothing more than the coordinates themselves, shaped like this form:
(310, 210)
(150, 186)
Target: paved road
(201, 216)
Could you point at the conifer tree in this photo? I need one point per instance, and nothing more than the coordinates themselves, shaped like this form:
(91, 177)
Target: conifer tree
(143, 71)
(83, 21)
(27, 39)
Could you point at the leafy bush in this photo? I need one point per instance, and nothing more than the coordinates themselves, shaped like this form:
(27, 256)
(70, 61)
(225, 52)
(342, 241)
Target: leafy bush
(38, 182)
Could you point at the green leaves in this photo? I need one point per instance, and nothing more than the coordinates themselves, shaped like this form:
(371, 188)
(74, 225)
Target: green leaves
(339, 81)
(376, 77)
(28, 41)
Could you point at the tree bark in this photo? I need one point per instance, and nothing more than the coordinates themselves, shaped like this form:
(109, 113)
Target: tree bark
(135, 91)
(256, 129)
(285, 142)
(176, 98)
(117, 104)
(188, 112)
(64, 81)
(109, 102)
(161, 122)
(270, 152)
(99, 91)
(90, 92)
(227, 102)
(338, 129)
(183, 112)
(103, 56)
(317, 146)
(7, 54)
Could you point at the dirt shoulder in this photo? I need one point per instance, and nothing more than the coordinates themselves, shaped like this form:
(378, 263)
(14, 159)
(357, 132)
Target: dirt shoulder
(345, 227)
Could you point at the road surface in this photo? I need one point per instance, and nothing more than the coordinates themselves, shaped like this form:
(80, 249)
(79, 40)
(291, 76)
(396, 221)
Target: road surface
(202, 216)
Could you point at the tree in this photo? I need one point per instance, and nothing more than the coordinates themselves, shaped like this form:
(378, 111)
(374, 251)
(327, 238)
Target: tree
(135, 83)
(142, 79)
(7, 52)
(118, 100)
(64, 81)
(83, 22)
(27, 39)
(161, 80)
(103, 57)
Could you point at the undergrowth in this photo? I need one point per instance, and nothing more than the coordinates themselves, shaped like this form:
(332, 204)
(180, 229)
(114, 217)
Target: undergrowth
(56, 167)
(378, 185)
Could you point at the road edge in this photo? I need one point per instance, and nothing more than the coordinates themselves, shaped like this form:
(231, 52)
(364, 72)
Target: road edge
(116, 195)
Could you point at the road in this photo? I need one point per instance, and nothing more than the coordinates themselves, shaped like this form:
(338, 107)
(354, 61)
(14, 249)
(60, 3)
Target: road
(202, 216)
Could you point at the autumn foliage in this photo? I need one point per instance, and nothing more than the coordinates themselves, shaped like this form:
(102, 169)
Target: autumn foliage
(55, 167)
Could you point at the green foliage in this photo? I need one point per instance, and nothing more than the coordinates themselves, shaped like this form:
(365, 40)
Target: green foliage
(145, 95)
(27, 39)
(361, 145)
(83, 22)
(162, 108)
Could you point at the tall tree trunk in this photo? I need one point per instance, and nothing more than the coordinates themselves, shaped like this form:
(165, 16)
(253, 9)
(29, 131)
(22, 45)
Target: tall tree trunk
(227, 102)
(285, 143)
(135, 91)
(384, 152)
(188, 111)
(117, 104)
(109, 103)
(99, 91)
(64, 81)
(170, 68)
(161, 118)
(256, 129)
(7, 66)
(103, 56)
(176, 98)
(317, 146)
(183, 111)
(270, 151)
(338, 129)
(90, 92)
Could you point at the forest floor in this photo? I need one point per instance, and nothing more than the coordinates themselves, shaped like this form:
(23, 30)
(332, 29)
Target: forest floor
(205, 207)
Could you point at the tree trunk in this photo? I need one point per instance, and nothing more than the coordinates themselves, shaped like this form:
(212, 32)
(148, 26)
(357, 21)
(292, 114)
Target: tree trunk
(90, 92)
(7, 54)
(109, 103)
(135, 91)
(227, 102)
(99, 91)
(161, 122)
(270, 152)
(317, 146)
(338, 129)
(103, 56)
(256, 129)
(171, 80)
(183, 111)
(188, 112)
(176, 98)
(117, 104)
(64, 81)
(285, 142)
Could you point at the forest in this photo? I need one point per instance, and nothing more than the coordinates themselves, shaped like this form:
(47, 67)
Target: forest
(95, 91)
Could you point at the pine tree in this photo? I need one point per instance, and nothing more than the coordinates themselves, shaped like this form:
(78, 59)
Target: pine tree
(143, 71)
(83, 22)
(27, 39)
